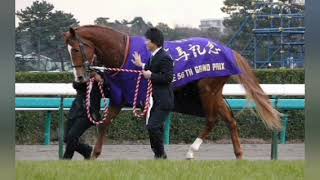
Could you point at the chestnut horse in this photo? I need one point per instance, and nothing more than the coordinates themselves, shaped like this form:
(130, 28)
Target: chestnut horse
(108, 48)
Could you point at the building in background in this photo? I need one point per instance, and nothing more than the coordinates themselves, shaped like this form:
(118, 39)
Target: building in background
(212, 22)
(299, 2)
(30, 62)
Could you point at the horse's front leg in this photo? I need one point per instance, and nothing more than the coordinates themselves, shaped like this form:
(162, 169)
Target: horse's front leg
(102, 130)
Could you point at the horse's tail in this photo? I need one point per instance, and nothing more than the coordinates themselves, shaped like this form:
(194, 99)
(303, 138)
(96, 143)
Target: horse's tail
(269, 115)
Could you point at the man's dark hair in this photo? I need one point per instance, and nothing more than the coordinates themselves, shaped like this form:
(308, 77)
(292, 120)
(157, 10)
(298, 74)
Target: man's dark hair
(155, 36)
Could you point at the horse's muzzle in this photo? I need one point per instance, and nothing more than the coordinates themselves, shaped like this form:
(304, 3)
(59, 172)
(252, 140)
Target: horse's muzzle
(82, 79)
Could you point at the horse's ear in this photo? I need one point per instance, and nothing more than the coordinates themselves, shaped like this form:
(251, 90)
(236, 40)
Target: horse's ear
(72, 32)
(65, 37)
(64, 34)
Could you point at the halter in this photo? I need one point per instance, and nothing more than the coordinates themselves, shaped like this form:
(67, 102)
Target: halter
(87, 65)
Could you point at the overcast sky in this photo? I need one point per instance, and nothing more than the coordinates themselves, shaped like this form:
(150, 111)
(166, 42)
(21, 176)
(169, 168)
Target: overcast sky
(172, 12)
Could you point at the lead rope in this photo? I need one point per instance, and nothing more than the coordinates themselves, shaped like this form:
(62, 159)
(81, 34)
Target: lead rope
(106, 110)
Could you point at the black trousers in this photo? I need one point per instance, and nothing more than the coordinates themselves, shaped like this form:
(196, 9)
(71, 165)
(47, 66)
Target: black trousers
(155, 128)
(76, 125)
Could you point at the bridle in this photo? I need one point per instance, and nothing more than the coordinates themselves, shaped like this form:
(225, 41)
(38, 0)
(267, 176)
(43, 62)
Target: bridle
(86, 63)
(91, 66)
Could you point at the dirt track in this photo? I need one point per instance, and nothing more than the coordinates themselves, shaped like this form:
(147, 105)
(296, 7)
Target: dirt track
(175, 152)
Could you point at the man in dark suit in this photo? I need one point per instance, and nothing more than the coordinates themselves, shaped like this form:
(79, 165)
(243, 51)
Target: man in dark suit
(160, 72)
(78, 121)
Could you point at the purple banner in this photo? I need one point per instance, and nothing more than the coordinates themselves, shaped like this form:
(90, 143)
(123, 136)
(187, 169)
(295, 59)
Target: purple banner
(194, 59)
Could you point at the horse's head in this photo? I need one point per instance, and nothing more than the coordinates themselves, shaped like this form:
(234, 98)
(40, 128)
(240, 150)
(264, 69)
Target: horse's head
(82, 53)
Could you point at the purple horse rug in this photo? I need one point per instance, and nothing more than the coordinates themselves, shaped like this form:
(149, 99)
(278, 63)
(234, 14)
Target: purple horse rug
(193, 58)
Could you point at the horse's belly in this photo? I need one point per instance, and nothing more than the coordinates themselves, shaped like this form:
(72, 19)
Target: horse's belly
(187, 100)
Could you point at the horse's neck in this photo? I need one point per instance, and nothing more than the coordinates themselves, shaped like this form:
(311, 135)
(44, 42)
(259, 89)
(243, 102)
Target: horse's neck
(107, 41)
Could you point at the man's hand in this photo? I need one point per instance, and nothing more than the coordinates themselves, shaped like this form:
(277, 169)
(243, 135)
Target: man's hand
(98, 77)
(137, 59)
(146, 74)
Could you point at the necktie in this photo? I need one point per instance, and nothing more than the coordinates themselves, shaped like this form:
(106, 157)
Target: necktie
(149, 62)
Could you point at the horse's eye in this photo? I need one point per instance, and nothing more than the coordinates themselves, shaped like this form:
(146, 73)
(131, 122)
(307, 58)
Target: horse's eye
(75, 50)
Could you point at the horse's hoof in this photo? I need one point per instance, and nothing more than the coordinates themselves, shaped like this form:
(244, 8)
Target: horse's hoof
(240, 157)
(95, 155)
(189, 155)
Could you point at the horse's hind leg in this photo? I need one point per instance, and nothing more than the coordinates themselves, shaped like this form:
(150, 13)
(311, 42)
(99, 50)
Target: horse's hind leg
(227, 115)
(210, 90)
(211, 122)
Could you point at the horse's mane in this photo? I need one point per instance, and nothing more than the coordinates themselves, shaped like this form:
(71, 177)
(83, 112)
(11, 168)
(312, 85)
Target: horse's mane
(104, 28)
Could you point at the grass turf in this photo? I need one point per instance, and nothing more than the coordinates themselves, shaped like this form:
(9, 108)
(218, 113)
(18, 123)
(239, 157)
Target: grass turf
(160, 169)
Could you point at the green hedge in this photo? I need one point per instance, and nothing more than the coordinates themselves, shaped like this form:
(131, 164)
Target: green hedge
(184, 128)
(276, 76)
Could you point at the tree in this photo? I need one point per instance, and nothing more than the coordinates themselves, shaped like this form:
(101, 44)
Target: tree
(42, 28)
(102, 21)
(212, 33)
(120, 26)
(238, 11)
(168, 33)
(135, 27)
(139, 26)
(63, 21)
(242, 11)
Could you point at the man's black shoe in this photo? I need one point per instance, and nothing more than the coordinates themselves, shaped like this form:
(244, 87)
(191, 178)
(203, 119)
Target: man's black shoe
(164, 156)
(87, 155)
